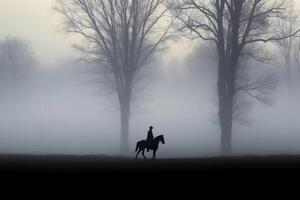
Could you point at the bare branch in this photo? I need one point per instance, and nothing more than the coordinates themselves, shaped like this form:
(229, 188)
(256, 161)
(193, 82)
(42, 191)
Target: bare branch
(121, 35)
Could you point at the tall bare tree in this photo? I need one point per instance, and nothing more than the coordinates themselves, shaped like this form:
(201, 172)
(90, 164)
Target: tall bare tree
(121, 36)
(16, 61)
(237, 29)
(297, 56)
(288, 46)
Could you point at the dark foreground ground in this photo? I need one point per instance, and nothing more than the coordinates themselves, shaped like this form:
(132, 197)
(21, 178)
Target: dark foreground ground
(121, 164)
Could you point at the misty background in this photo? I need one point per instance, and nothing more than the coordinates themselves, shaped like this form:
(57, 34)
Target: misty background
(58, 109)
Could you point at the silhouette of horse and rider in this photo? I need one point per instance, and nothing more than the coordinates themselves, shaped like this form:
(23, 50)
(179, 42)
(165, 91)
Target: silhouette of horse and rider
(151, 143)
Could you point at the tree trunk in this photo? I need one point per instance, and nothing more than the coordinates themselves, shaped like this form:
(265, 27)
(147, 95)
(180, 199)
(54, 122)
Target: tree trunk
(226, 92)
(289, 74)
(225, 112)
(125, 115)
(225, 106)
(226, 133)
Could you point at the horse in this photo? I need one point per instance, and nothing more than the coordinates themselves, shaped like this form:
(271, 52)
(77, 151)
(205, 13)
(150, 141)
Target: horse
(142, 145)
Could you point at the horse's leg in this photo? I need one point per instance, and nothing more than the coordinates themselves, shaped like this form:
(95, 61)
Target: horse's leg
(154, 154)
(143, 153)
(138, 153)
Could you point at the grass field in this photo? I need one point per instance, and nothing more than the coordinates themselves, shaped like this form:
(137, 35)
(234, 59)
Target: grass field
(106, 163)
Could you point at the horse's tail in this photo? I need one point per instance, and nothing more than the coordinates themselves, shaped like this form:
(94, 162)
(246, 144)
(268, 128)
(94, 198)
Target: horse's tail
(137, 147)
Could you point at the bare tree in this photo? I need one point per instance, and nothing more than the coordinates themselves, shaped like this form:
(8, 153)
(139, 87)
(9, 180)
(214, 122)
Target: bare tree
(297, 56)
(16, 60)
(237, 29)
(121, 36)
(288, 48)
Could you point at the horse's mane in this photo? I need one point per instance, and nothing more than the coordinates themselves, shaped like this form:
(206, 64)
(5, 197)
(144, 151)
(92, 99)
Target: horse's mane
(160, 136)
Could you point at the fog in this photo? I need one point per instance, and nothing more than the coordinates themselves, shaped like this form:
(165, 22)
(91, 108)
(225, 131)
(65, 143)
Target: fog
(60, 110)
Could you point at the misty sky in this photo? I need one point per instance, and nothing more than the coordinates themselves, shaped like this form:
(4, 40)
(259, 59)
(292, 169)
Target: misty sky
(30, 19)
(70, 118)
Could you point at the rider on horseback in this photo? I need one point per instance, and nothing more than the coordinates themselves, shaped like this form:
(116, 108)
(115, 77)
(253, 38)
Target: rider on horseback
(149, 138)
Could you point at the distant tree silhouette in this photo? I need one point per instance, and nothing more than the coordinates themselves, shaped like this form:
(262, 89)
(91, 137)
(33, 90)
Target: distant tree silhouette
(289, 47)
(239, 31)
(16, 61)
(297, 57)
(120, 36)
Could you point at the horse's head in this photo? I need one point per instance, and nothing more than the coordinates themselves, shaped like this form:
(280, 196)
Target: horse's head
(161, 138)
